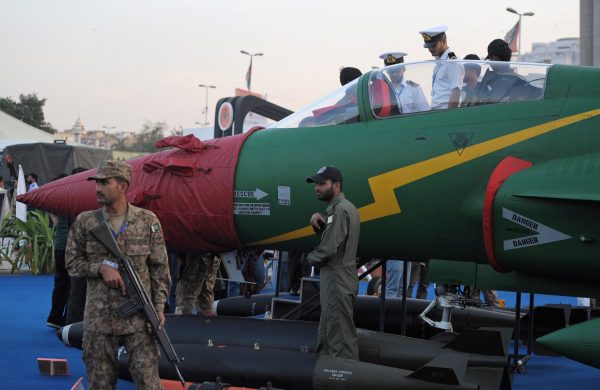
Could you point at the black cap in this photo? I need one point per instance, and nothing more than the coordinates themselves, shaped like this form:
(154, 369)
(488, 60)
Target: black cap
(324, 174)
(500, 49)
(348, 74)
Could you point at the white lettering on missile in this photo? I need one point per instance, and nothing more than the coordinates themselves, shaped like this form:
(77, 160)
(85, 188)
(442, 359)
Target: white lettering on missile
(257, 194)
(251, 209)
(337, 375)
(284, 196)
(545, 234)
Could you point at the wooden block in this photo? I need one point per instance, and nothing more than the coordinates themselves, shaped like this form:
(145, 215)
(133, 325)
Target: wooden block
(78, 385)
(50, 366)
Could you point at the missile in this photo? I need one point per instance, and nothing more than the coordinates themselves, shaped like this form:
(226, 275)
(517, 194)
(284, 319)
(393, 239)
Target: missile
(486, 348)
(255, 367)
(366, 314)
(580, 342)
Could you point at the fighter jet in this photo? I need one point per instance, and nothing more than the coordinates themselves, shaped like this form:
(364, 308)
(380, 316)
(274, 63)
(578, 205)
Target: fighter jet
(504, 189)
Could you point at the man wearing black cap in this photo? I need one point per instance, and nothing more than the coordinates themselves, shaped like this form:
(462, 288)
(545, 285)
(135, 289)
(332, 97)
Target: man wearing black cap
(348, 74)
(501, 83)
(336, 257)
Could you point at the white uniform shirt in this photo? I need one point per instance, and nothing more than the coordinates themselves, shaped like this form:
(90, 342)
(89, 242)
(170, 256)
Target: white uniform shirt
(446, 77)
(410, 97)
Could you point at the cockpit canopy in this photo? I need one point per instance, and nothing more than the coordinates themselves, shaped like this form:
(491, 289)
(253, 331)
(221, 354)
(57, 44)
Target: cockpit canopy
(406, 89)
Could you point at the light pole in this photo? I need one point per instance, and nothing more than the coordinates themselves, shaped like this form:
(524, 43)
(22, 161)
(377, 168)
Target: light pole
(514, 11)
(207, 87)
(108, 129)
(249, 74)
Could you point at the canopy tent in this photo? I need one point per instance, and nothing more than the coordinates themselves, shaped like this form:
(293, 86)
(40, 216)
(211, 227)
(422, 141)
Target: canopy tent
(50, 160)
(13, 131)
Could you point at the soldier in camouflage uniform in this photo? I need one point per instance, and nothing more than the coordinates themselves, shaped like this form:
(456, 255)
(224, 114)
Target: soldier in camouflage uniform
(336, 257)
(196, 282)
(139, 235)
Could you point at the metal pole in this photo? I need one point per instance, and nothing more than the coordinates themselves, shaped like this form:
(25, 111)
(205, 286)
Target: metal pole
(530, 325)
(250, 75)
(382, 296)
(404, 283)
(520, 33)
(206, 108)
(278, 282)
(517, 330)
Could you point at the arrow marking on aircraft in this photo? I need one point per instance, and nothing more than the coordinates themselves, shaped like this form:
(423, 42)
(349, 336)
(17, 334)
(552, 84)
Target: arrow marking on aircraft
(545, 234)
(258, 194)
(384, 185)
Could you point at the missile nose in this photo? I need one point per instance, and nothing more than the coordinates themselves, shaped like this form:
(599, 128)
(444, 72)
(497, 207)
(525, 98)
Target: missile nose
(63, 335)
(580, 342)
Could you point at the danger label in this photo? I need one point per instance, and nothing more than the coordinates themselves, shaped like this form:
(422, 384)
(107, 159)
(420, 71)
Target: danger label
(545, 234)
(251, 209)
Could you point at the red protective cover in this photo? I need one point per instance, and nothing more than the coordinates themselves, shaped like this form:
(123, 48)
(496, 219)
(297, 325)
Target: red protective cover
(506, 168)
(190, 189)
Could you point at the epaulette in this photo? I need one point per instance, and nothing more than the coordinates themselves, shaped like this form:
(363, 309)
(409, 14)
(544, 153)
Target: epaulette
(452, 56)
(412, 83)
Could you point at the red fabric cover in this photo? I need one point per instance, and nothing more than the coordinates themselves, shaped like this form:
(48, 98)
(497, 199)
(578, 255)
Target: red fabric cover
(380, 90)
(190, 192)
(187, 143)
(506, 168)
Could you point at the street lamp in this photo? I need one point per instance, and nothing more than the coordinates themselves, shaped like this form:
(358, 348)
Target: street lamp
(249, 74)
(207, 87)
(514, 11)
(108, 129)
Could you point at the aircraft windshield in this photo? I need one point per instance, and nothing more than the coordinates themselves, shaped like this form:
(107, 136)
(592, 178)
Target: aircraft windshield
(437, 85)
(339, 107)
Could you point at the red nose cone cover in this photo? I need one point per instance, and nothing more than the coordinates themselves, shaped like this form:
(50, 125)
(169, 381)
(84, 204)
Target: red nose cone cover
(190, 190)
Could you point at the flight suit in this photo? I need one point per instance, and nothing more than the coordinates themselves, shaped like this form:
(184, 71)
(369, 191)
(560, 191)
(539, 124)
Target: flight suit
(336, 257)
(142, 241)
(196, 283)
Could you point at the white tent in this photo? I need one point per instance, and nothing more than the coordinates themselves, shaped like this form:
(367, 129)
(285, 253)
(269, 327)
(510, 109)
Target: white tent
(13, 131)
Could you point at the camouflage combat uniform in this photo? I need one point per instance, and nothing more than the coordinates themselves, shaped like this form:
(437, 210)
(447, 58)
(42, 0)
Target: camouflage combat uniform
(196, 283)
(142, 241)
(336, 257)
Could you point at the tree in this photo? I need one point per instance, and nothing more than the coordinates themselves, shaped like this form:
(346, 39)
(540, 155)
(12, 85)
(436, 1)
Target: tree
(29, 109)
(145, 140)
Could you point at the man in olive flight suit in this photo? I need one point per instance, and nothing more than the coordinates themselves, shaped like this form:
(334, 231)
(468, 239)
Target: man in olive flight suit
(336, 257)
(139, 236)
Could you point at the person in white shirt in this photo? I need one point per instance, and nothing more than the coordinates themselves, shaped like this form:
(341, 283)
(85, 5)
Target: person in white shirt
(409, 95)
(31, 181)
(447, 78)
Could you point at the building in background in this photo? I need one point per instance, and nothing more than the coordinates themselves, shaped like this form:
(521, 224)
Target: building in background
(78, 135)
(564, 51)
(589, 32)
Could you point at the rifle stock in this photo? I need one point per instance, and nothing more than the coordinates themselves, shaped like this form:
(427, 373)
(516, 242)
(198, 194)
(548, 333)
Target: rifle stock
(138, 297)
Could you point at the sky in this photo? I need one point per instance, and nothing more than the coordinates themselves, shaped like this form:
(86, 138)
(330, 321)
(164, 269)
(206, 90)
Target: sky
(123, 62)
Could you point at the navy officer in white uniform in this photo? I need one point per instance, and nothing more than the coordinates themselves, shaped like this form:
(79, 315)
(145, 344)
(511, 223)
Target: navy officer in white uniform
(447, 79)
(409, 95)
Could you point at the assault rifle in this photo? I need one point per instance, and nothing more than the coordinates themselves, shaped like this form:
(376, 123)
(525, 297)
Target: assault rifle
(138, 297)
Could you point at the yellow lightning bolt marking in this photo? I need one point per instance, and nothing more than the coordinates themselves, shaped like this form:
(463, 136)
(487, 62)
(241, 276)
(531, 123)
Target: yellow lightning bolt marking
(384, 185)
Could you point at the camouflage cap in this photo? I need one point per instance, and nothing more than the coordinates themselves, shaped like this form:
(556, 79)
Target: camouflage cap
(113, 168)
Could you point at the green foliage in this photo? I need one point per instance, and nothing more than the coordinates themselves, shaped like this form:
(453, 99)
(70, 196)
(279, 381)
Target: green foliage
(29, 109)
(144, 141)
(33, 243)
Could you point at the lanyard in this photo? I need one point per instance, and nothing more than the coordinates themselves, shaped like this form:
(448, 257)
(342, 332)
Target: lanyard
(123, 227)
(435, 72)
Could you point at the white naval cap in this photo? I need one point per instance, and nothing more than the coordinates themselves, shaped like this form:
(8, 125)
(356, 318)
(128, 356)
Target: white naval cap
(432, 35)
(392, 57)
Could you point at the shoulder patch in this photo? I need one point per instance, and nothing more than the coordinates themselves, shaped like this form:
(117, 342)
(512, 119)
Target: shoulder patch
(412, 83)
(155, 227)
(452, 56)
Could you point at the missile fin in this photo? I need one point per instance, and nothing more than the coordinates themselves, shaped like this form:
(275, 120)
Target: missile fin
(446, 368)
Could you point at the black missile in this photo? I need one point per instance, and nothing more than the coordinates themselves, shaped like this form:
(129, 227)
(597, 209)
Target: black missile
(486, 348)
(243, 366)
(366, 313)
